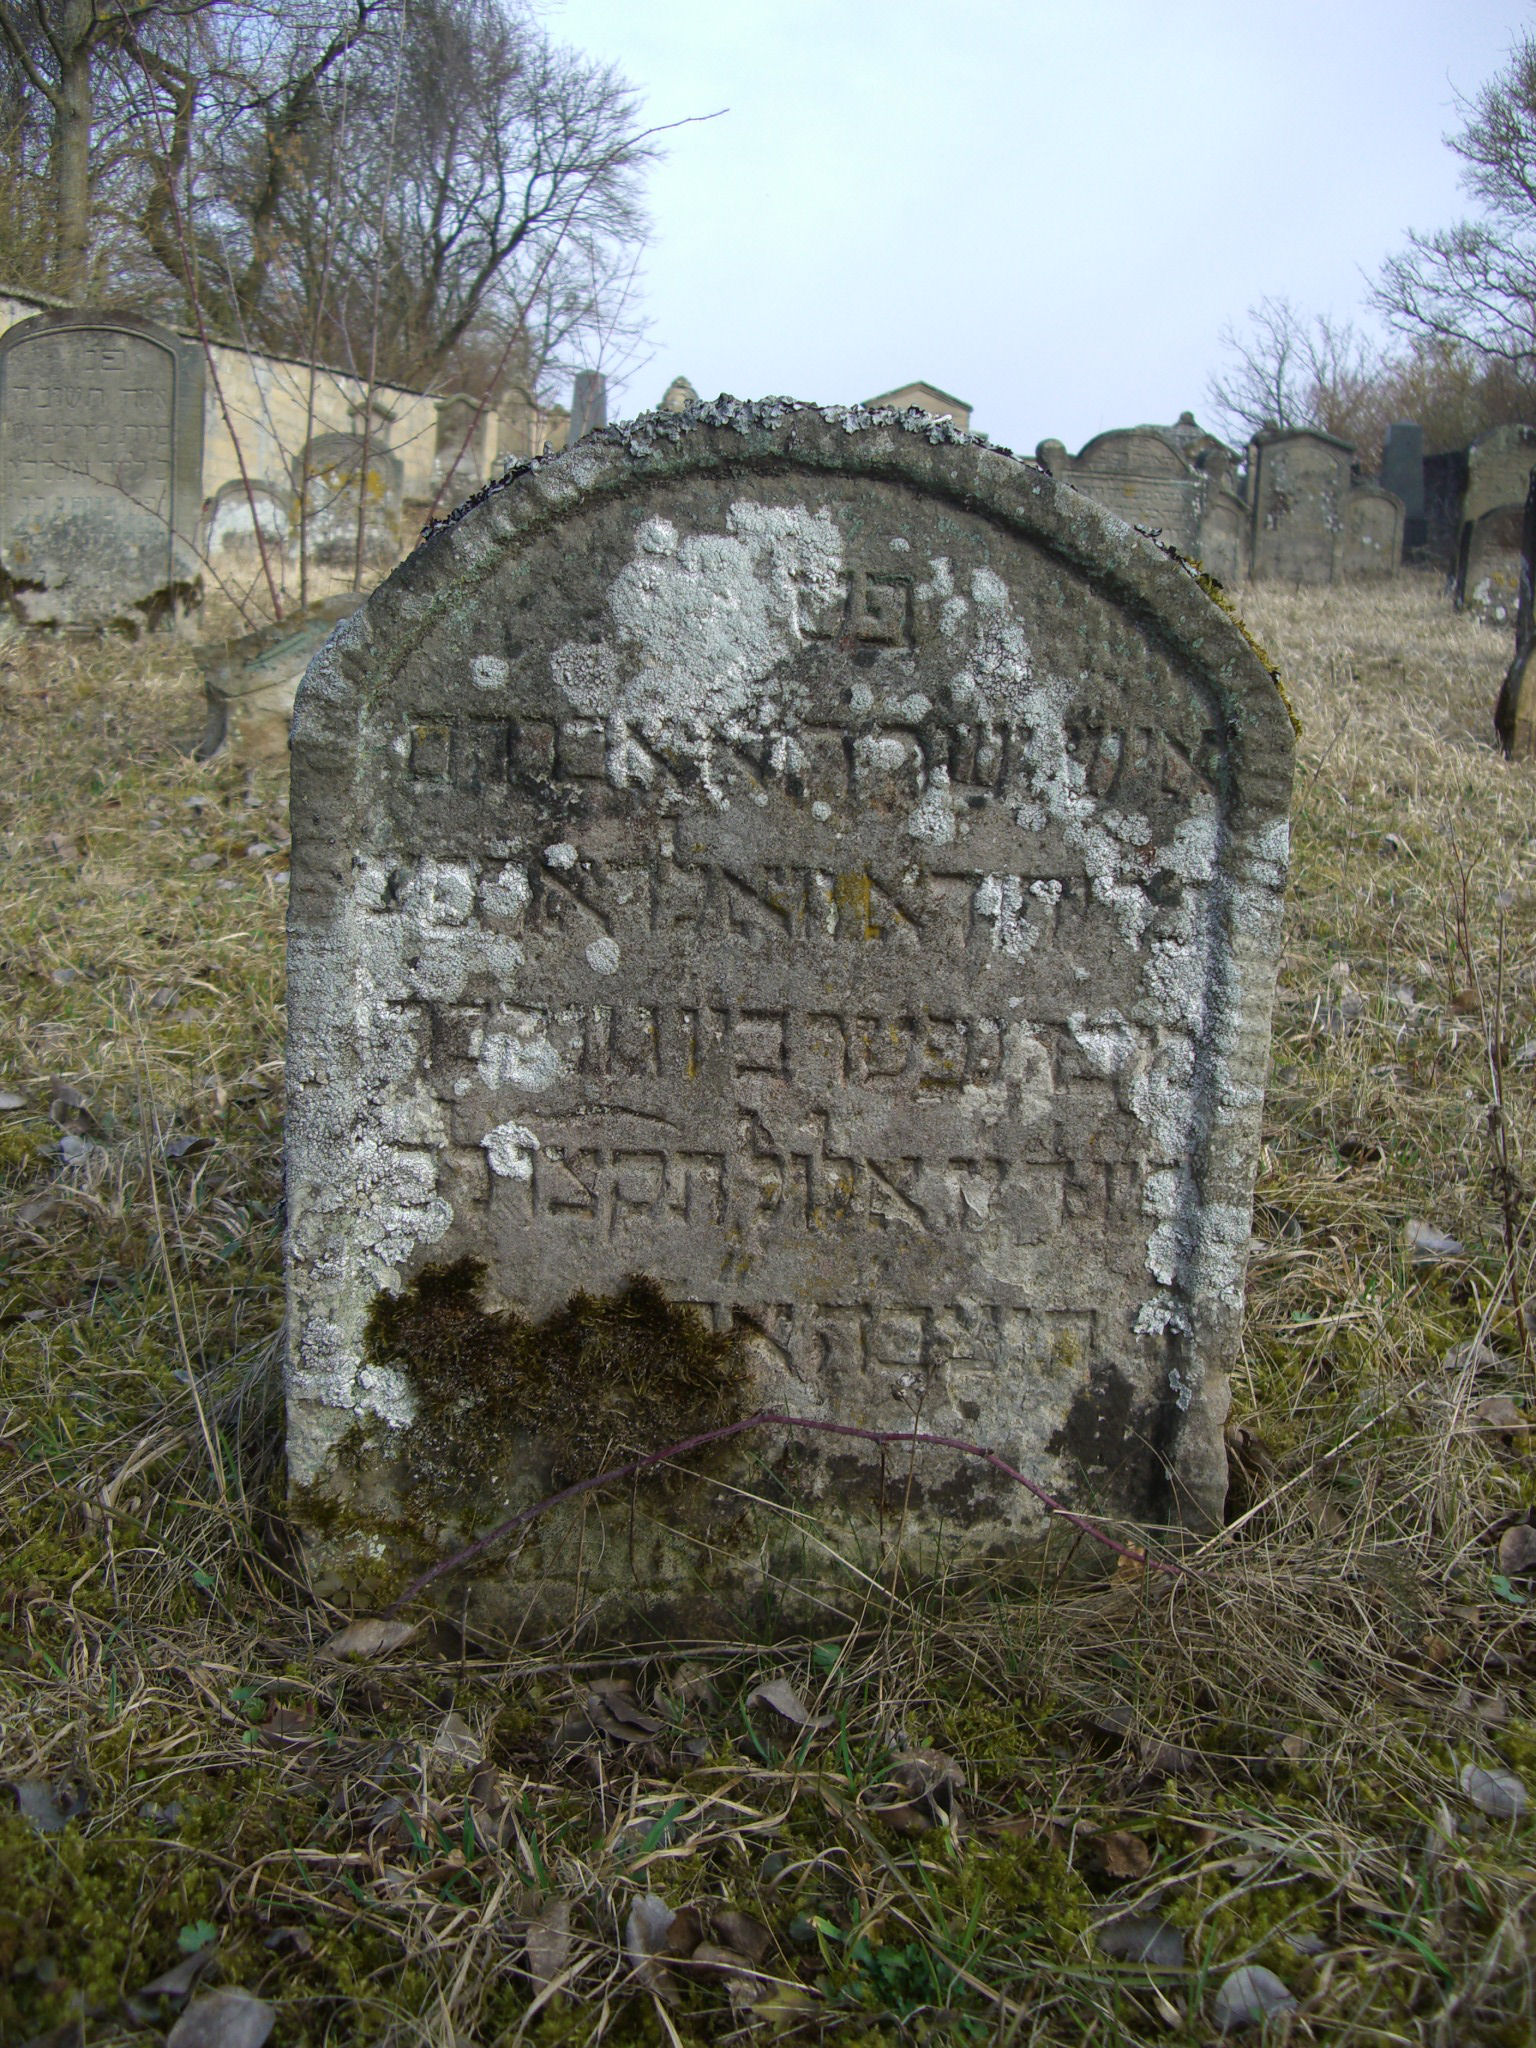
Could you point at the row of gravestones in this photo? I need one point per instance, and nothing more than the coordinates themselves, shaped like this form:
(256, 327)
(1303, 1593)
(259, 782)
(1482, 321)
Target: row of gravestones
(1299, 515)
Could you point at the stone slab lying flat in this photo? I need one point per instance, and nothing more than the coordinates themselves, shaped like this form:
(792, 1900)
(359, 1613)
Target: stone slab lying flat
(806, 865)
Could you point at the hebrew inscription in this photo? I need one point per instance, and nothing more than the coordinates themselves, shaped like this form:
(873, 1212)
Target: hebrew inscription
(100, 466)
(830, 872)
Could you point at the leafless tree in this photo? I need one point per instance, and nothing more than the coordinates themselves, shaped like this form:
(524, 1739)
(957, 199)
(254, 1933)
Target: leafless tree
(1473, 286)
(1287, 370)
(443, 159)
(69, 56)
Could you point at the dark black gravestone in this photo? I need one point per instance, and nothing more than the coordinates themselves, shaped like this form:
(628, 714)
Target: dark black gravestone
(1402, 473)
(821, 865)
(101, 462)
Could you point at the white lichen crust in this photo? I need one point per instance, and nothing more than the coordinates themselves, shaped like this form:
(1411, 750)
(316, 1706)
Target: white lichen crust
(706, 649)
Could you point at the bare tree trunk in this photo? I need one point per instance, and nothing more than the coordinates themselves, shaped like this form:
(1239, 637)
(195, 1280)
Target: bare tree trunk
(73, 111)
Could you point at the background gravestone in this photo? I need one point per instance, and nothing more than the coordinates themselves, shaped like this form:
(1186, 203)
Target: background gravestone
(333, 474)
(1402, 473)
(101, 459)
(819, 865)
(589, 405)
(241, 519)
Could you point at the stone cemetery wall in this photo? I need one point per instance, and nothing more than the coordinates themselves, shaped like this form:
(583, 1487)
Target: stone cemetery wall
(1175, 481)
(1312, 522)
(101, 448)
(806, 865)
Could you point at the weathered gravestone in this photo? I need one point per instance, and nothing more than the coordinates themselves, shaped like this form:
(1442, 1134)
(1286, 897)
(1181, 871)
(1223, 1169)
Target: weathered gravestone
(1514, 715)
(823, 867)
(101, 460)
(244, 520)
(341, 479)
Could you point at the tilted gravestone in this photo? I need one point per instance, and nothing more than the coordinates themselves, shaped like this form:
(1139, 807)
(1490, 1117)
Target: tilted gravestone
(807, 865)
(101, 462)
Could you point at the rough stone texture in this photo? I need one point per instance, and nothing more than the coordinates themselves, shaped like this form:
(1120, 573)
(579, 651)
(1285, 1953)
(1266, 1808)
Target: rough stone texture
(329, 476)
(101, 461)
(818, 863)
(1312, 521)
(1499, 468)
(1371, 543)
(251, 682)
(1490, 583)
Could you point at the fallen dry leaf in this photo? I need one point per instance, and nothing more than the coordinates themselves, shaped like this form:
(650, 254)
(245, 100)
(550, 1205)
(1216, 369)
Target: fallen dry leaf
(1171, 1759)
(1427, 1246)
(223, 2019)
(548, 1943)
(612, 1709)
(1248, 1997)
(779, 1695)
(50, 1808)
(740, 1931)
(182, 1977)
(1497, 1413)
(1122, 1855)
(369, 1638)
(455, 1742)
(645, 1940)
(1140, 1939)
(285, 1727)
(1499, 1794)
(922, 1792)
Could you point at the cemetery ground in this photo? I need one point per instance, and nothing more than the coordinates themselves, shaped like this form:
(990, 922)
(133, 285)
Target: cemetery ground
(1041, 1807)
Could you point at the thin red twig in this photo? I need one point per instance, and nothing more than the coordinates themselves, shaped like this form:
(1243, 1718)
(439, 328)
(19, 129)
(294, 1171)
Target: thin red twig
(769, 1419)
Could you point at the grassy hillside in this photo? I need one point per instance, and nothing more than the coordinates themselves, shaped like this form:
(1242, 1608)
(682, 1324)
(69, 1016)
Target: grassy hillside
(1284, 1759)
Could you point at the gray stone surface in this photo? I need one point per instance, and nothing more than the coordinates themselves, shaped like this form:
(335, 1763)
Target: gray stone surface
(101, 457)
(818, 863)
(589, 405)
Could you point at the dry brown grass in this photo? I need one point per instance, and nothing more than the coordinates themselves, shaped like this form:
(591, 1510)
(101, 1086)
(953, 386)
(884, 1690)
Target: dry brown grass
(1266, 1756)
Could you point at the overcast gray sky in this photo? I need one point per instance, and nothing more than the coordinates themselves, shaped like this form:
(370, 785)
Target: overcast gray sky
(1049, 209)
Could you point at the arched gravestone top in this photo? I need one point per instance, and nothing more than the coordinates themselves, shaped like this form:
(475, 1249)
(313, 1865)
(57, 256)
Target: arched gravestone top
(101, 464)
(812, 860)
